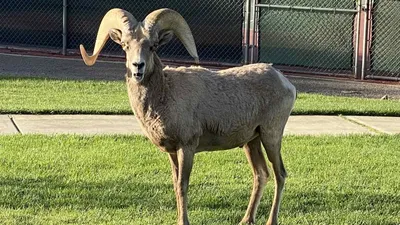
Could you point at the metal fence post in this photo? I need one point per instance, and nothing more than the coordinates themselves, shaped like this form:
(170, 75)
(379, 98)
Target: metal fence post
(365, 7)
(247, 31)
(65, 26)
(253, 32)
(357, 40)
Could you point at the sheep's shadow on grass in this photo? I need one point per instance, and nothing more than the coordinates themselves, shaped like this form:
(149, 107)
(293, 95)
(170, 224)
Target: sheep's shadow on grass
(123, 193)
(317, 201)
(56, 192)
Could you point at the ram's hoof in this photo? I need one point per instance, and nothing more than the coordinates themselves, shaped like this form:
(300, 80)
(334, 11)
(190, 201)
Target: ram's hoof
(247, 222)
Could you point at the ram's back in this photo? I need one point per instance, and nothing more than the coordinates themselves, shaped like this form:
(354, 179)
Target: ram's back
(248, 89)
(229, 102)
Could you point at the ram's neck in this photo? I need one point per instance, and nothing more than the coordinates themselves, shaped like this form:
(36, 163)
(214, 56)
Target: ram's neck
(147, 99)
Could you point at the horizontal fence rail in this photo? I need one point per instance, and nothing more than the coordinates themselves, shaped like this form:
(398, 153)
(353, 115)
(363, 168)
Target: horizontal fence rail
(305, 8)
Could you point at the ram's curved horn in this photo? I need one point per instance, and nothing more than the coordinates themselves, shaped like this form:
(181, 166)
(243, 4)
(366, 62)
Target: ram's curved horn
(114, 18)
(168, 19)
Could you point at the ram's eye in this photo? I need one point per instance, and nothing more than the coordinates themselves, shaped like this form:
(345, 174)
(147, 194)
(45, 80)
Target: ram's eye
(153, 48)
(124, 45)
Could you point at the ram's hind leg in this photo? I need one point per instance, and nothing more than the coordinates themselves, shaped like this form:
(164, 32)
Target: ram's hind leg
(272, 143)
(260, 174)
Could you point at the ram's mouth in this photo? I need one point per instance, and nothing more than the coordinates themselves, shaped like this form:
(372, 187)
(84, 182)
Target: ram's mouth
(138, 76)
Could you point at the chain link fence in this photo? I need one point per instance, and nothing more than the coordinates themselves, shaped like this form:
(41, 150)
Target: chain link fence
(31, 23)
(308, 35)
(216, 26)
(344, 4)
(334, 37)
(385, 45)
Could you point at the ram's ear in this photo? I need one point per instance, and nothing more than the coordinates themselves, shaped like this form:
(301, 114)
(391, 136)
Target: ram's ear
(115, 35)
(164, 36)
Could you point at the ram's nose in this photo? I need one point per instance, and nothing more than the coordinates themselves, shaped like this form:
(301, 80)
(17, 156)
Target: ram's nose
(139, 66)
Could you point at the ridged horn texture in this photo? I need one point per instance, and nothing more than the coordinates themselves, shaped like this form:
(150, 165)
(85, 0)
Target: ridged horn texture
(114, 18)
(168, 19)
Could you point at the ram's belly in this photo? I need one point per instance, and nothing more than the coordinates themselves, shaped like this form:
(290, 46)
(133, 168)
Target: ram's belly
(213, 142)
(168, 141)
(164, 142)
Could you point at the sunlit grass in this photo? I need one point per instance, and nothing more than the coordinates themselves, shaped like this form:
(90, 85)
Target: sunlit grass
(69, 179)
(47, 96)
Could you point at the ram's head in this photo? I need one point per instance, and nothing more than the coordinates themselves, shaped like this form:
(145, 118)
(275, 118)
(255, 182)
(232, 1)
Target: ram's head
(140, 40)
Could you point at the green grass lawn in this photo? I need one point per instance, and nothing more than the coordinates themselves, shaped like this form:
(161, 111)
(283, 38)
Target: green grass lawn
(126, 180)
(46, 96)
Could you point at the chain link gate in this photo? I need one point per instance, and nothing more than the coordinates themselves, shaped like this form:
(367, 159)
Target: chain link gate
(308, 36)
(384, 47)
(341, 37)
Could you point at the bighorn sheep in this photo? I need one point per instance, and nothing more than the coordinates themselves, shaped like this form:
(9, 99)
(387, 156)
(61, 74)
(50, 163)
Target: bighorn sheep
(188, 110)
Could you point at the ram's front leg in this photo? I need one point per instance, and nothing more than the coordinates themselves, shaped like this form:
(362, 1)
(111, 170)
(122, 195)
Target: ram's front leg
(173, 158)
(181, 164)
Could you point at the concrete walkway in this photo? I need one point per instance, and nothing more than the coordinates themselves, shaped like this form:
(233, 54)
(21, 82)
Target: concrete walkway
(127, 124)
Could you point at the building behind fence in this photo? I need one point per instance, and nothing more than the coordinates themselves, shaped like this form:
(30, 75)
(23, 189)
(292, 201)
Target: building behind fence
(358, 38)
